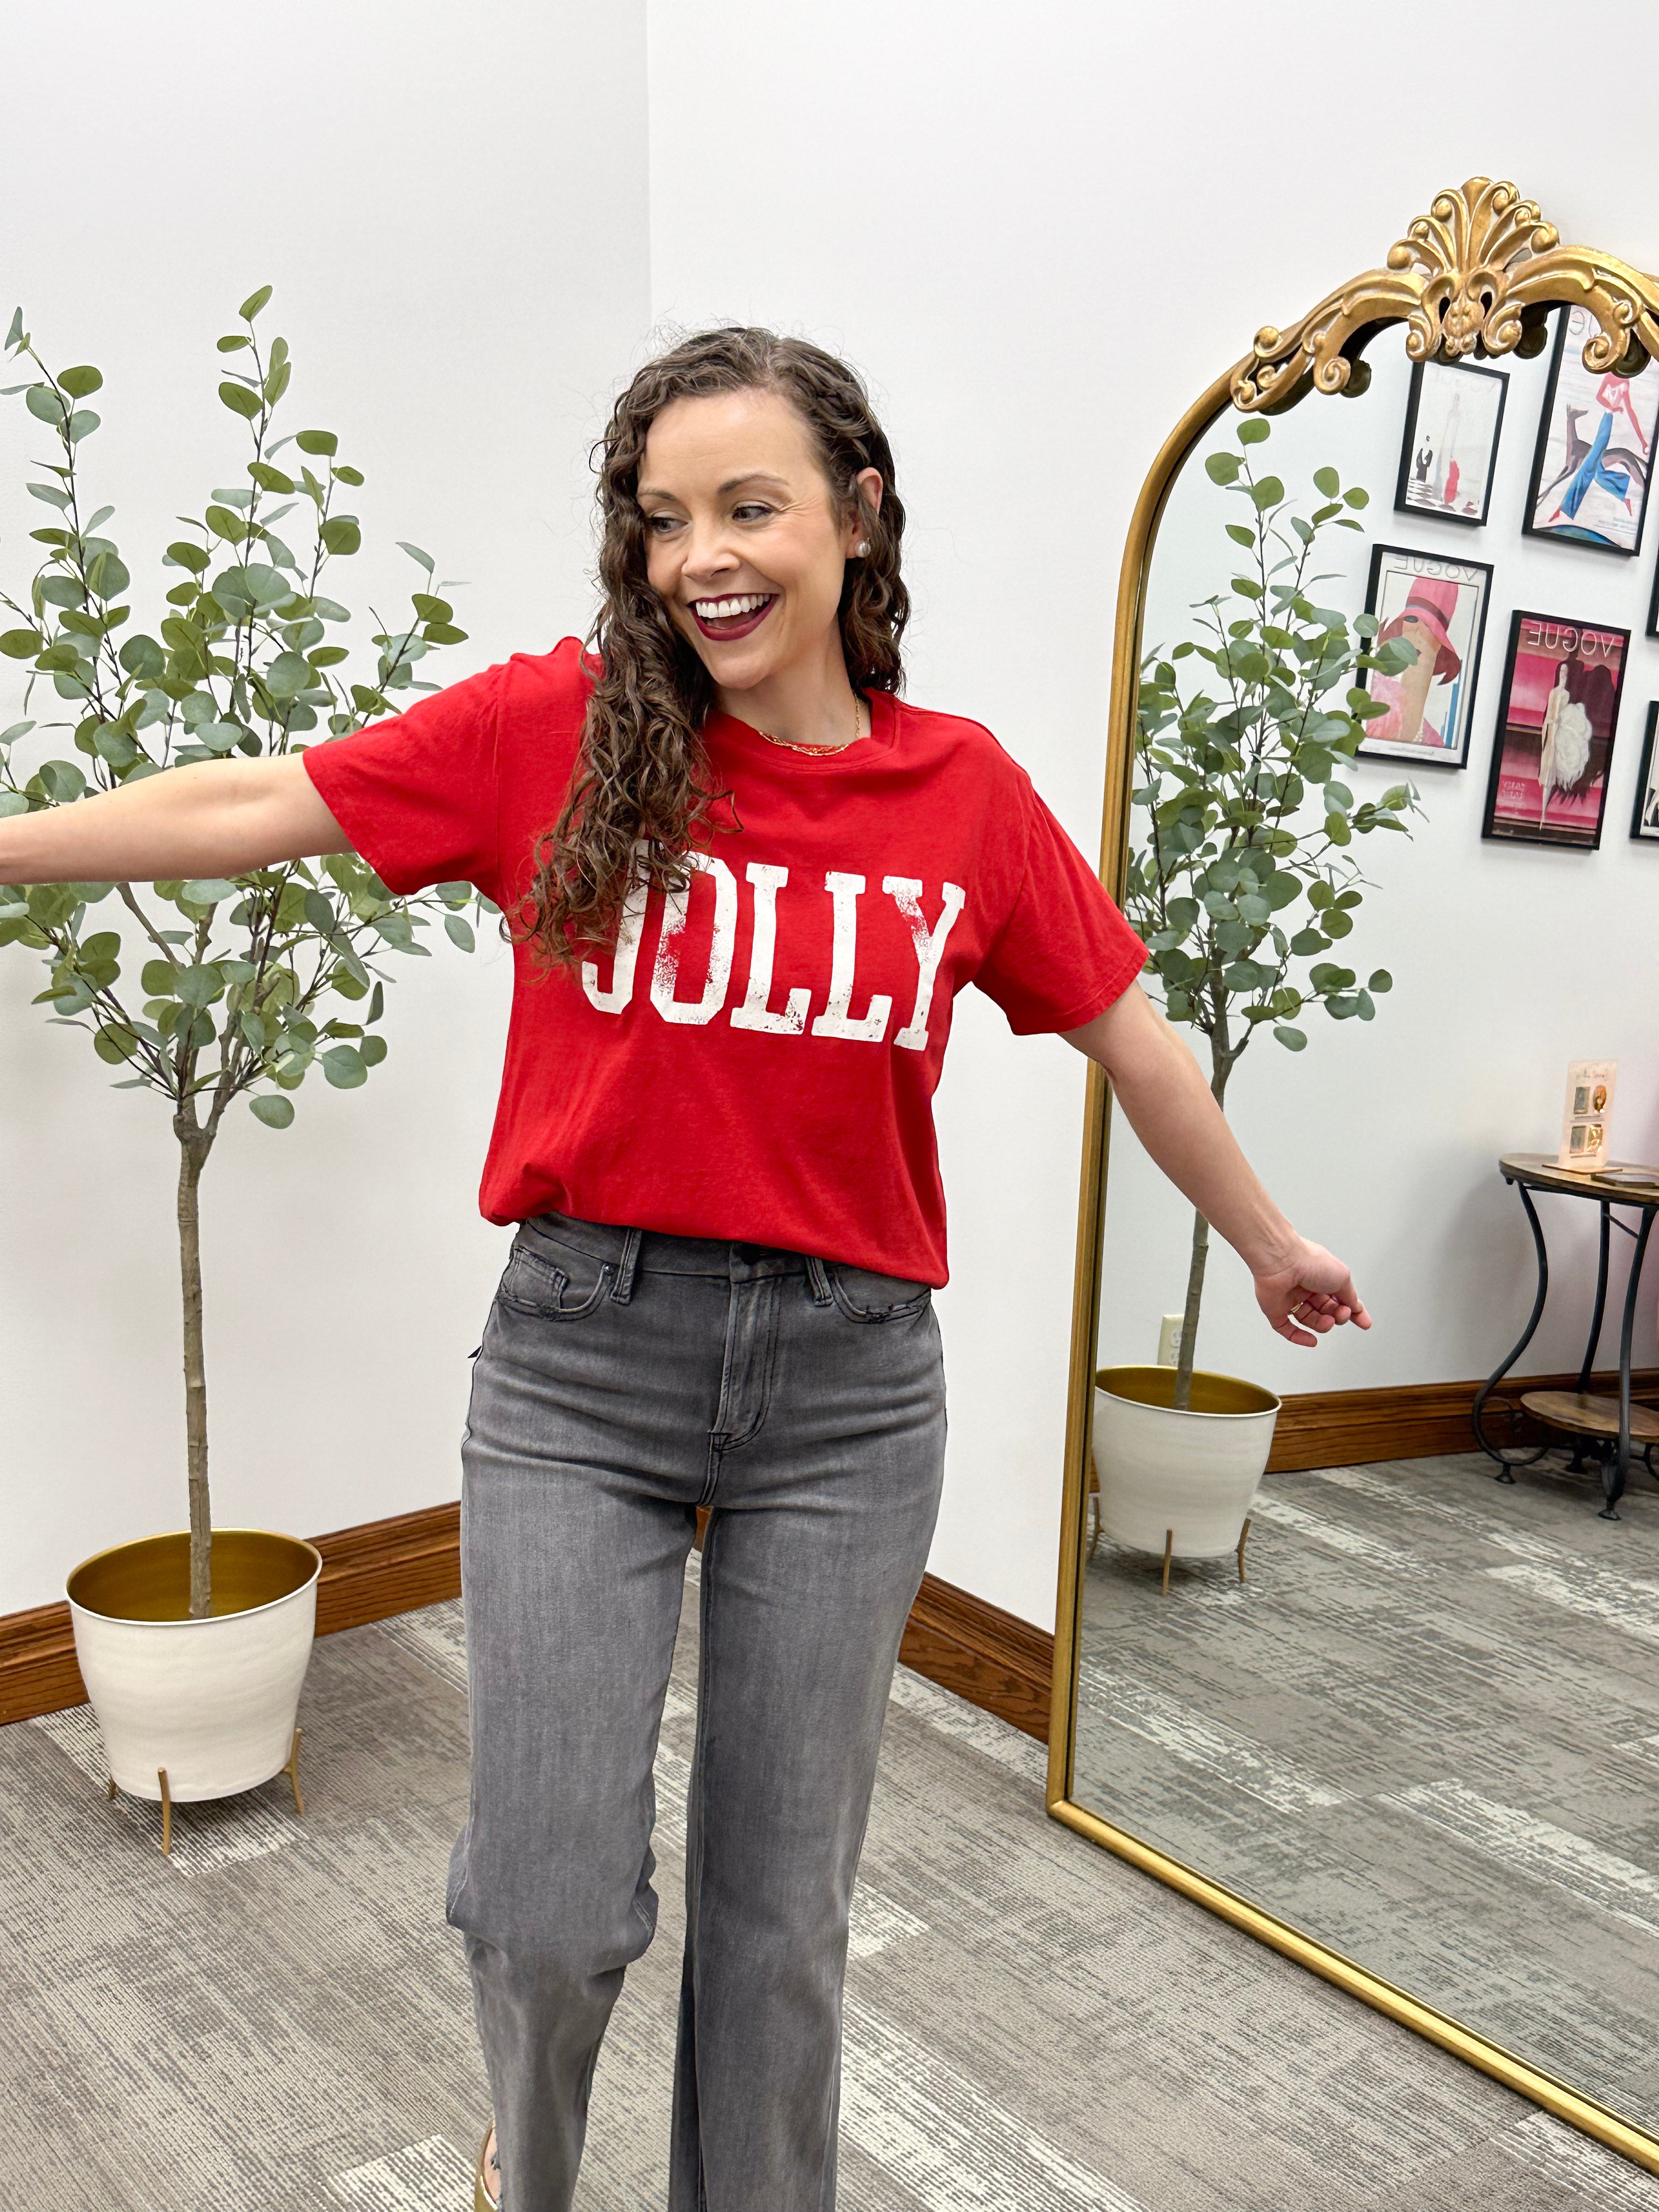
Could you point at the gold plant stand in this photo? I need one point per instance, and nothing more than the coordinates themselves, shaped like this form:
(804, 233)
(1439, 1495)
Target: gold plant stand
(292, 1771)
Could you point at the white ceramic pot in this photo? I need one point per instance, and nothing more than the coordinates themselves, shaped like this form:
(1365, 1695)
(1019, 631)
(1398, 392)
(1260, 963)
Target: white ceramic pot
(1175, 1478)
(212, 1701)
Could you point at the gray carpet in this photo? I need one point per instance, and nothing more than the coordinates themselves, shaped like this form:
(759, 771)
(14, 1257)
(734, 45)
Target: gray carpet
(278, 2021)
(1426, 1730)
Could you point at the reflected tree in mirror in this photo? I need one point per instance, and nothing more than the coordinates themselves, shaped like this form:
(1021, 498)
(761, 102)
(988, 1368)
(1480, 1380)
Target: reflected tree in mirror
(208, 991)
(1245, 883)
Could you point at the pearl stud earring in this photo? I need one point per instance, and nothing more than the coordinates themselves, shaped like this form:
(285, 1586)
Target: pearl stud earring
(862, 547)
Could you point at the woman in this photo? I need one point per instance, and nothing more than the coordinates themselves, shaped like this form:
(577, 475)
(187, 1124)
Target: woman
(745, 883)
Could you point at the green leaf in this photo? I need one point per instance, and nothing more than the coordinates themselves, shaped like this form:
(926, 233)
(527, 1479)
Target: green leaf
(443, 634)
(347, 476)
(288, 673)
(376, 1003)
(1254, 431)
(21, 644)
(1293, 1040)
(225, 522)
(1356, 496)
(63, 782)
(235, 342)
(44, 403)
(199, 986)
(317, 441)
(109, 576)
(425, 559)
(251, 306)
(142, 658)
(1220, 468)
(207, 890)
(240, 401)
(319, 913)
(458, 932)
(15, 336)
(1240, 533)
(272, 1109)
(114, 1045)
(158, 979)
(270, 479)
(1379, 981)
(1328, 481)
(343, 1067)
(341, 534)
(188, 556)
(1267, 493)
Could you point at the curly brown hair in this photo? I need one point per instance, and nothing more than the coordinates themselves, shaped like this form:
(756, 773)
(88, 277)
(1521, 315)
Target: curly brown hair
(642, 790)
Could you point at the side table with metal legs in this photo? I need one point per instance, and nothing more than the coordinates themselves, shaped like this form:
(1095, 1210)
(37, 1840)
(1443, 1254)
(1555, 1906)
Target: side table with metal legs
(1608, 1428)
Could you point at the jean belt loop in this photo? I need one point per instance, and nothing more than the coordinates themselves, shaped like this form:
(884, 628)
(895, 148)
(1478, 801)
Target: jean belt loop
(623, 1289)
(818, 1276)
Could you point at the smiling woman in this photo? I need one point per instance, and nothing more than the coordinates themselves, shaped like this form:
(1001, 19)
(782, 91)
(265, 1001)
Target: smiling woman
(723, 1169)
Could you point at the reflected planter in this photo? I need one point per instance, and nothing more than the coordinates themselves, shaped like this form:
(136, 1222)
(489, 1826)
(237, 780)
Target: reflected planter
(1175, 1480)
(211, 1702)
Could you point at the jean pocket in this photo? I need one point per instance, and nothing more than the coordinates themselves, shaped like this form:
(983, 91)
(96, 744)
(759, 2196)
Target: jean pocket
(539, 1286)
(863, 1295)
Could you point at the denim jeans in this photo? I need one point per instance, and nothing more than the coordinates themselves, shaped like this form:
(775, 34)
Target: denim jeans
(626, 1378)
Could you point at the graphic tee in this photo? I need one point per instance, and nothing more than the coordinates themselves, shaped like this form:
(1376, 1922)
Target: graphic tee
(756, 1060)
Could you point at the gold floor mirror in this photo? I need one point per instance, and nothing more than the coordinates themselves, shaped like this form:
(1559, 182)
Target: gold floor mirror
(1397, 1718)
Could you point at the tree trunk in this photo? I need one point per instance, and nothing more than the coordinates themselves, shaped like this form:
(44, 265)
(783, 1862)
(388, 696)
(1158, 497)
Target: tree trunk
(1221, 1068)
(194, 1145)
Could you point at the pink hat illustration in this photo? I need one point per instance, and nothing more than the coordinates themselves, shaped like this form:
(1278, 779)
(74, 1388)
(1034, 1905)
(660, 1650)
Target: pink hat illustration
(1432, 602)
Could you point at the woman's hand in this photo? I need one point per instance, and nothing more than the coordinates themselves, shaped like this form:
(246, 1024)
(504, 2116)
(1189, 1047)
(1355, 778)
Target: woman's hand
(1306, 1291)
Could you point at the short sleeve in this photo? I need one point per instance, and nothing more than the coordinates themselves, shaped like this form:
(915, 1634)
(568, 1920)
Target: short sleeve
(1065, 953)
(417, 794)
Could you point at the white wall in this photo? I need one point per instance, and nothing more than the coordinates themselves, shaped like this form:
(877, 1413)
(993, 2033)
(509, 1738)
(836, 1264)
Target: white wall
(451, 206)
(1042, 231)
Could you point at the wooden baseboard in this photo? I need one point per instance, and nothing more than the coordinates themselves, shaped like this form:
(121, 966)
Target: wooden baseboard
(1349, 1428)
(990, 1657)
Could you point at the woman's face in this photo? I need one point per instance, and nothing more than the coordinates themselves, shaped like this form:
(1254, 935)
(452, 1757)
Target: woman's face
(743, 541)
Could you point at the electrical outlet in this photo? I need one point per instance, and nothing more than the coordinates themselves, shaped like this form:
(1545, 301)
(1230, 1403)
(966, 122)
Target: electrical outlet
(1168, 1341)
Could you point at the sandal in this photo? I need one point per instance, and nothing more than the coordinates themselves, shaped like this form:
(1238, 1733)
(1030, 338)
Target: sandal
(486, 2168)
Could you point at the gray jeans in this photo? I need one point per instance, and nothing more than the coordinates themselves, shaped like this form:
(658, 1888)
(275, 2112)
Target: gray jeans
(626, 1378)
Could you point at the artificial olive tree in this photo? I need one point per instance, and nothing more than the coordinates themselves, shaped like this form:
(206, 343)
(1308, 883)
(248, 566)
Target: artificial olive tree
(207, 992)
(1246, 869)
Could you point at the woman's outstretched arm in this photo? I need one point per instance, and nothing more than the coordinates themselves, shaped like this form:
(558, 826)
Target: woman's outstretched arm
(209, 818)
(1300, 1288)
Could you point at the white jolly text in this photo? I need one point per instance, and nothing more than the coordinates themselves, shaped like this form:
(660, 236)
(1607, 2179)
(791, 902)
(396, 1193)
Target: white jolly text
(755, 1010)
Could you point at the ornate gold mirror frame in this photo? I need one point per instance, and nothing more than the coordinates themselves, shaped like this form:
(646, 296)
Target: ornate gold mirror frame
(1477, 274)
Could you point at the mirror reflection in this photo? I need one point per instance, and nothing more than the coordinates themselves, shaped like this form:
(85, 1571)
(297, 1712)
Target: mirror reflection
(1389, 842)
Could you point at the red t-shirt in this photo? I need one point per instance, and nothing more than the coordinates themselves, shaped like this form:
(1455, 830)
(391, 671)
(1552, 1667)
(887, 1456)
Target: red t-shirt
(758, 1062)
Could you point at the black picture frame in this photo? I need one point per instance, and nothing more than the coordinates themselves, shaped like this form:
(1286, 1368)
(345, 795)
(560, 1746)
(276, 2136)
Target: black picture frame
(1464, 696)
(1572, 534)
(1509, 832)
(1439, 513)
(1645, 784)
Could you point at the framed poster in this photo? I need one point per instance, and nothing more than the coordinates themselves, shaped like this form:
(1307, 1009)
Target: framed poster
(1589, 474)
(1644, 818)
(1440, 607)
(1553, 742)
(1449, 452)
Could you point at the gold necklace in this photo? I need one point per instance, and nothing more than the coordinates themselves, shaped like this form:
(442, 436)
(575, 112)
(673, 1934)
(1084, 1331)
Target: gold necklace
(793, 745)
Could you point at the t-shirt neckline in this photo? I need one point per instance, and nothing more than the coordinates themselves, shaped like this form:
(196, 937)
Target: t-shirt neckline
(745, 738)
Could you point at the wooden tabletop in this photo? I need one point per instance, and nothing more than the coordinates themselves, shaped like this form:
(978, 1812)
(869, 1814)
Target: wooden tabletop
(1542, 1172)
